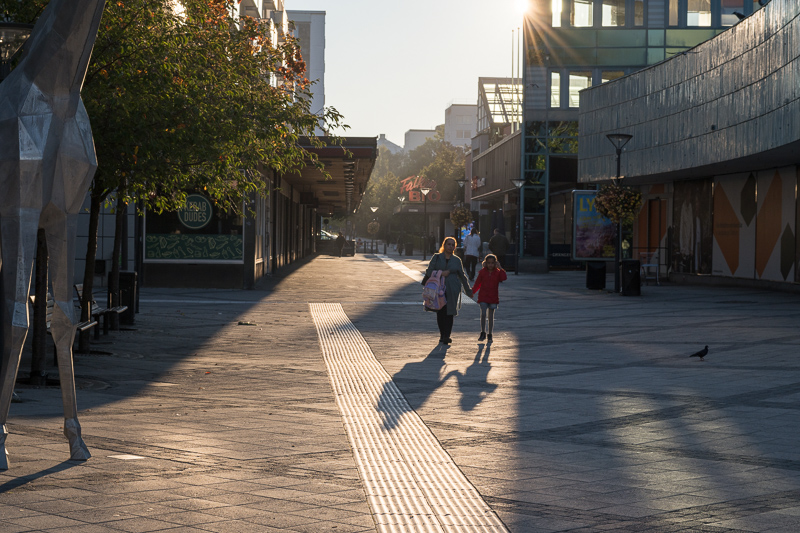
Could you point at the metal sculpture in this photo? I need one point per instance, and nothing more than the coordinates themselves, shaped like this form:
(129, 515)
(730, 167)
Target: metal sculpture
(47, 161)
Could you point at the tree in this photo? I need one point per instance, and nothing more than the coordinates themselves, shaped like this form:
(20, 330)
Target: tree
(183, 101)
(436, 160)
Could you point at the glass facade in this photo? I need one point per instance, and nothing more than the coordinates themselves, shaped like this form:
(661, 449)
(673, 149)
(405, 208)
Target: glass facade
(581, 14)
(698, 13)
(578, 80)
(613, 13)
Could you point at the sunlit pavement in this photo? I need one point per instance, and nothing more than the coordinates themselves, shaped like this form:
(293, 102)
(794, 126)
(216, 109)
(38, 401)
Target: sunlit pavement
(218, 413)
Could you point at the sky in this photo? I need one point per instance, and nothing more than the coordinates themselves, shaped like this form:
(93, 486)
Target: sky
(392, 66)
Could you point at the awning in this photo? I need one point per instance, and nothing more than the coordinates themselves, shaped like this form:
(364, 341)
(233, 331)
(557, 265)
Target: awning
(341, 193)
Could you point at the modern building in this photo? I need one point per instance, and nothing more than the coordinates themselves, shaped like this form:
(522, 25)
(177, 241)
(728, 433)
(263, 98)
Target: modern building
(494, 158)
(309, 29)
(460, 123)
(715, 149)
(572, 45)
(416, 138)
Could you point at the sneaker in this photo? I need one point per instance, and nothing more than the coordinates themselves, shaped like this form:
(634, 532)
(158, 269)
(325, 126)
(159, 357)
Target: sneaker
(489, 337)
(482, 337)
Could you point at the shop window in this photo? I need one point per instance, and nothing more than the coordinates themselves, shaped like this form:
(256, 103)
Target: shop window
(673, 12)
(581, 15)
(613, 12)
(728, 7)
(610, 75)
(556, 7)
(578, 80)
(555, 89)
(699, 13)
(638, 13)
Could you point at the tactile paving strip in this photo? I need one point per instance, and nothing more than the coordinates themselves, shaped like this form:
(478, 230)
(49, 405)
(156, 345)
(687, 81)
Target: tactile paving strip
(412, 484)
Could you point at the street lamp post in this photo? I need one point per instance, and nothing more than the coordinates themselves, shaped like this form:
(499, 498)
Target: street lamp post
(518, 183)
(619, 140)
(373, 235)
(425, 191)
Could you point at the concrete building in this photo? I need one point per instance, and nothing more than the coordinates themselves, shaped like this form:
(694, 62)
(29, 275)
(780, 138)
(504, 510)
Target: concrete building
(572, 45)
(715, 150)
(460, 123)
(309, 29)
(416, 138)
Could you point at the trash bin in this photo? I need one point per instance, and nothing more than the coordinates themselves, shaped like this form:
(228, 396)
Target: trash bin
(128, 295)
(631, 277)
(596, 275)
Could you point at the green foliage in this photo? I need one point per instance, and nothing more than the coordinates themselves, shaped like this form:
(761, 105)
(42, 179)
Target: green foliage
(436, 160)
(181, 103)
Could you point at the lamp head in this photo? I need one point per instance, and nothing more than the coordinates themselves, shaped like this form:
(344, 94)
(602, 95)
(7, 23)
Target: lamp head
(425, 190)
(619, 139)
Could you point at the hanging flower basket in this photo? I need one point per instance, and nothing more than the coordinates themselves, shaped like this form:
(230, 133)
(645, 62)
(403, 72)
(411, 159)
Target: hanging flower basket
(460, 216)
(373, 227)
(620, 204)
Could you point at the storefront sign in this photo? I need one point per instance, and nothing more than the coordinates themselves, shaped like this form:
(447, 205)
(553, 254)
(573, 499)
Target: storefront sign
(593, 235)
(412, 185)
(197, 212)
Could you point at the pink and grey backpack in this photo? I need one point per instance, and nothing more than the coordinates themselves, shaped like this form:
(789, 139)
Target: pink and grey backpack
(433, 298)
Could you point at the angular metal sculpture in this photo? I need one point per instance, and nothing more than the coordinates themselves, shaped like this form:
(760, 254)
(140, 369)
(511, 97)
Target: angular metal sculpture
(47, 161)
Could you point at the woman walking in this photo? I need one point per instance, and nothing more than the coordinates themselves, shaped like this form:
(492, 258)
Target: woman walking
(455, 279)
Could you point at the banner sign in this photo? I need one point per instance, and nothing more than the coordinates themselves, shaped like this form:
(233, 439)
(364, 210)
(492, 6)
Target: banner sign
(412, 184)
(593, 235)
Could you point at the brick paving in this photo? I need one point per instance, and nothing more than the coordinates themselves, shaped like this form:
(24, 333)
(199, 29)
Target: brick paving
(585, 414)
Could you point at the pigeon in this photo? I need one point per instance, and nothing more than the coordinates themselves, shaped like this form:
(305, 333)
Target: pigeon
(702, 353)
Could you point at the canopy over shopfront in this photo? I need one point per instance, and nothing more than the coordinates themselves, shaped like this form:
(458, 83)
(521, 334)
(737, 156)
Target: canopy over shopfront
(349, 165)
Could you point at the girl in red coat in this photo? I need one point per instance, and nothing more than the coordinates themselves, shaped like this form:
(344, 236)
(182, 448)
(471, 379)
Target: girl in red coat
(488, 282)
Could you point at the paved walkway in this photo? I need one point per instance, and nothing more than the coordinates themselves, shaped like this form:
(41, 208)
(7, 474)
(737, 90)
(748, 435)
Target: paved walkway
(236, 411)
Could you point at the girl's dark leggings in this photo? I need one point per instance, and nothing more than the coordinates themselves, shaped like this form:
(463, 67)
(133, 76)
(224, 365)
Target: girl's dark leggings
(445, 322)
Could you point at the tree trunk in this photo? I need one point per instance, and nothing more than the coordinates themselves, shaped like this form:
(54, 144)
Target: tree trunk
(39, 341)
(113, 278)
(88, 273)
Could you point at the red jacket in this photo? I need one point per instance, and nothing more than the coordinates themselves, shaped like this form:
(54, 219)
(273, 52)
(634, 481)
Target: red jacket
(487, 283)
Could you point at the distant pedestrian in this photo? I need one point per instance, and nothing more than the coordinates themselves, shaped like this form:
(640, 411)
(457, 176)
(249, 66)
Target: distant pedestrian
(453, 272)
(498, 244)
(487, 286)
(340, 242)
(432, 243)
(472, 245)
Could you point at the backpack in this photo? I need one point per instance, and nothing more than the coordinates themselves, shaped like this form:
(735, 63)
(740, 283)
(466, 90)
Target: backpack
(433, 298)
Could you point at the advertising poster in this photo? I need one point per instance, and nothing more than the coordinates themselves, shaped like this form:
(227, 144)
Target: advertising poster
(593, 235)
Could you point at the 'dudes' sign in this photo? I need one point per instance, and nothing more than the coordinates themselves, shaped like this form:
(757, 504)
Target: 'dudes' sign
(196, 214)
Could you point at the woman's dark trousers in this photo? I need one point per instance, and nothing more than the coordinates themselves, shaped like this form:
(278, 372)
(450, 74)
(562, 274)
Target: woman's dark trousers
(445, 323)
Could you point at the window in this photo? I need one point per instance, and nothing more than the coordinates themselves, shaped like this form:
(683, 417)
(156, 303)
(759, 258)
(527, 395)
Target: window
(555, 89)
(556, 8)
(673, 12)
(581, 13)
(728, 7)
(613, 12)
(699, 13)
(578, 80)
(638, 13)
(610, 75)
